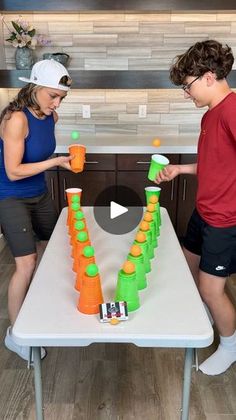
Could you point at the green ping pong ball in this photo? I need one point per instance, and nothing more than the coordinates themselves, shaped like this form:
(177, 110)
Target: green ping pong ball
(79, 225)
(82, 236)
(75, 135)
(75, 206)
(92, 270)
(75, 198)
(88, 251)
(79, 215)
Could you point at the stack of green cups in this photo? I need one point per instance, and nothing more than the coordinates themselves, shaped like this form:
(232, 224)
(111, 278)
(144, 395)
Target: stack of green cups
(141, 240)
(145, 228)
(136, 257)
(149, 191)
(126, 289)
(150, 218)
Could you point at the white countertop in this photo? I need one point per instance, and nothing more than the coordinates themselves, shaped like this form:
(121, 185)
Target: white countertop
(115, 143)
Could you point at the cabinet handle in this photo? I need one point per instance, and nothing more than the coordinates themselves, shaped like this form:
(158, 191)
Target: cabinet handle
(143, 162)
(93, 162)
(172, 192)
(64, 188)
(184, 189)
(52, 188)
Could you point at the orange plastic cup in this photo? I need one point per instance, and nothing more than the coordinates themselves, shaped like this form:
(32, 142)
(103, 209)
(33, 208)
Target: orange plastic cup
(91, 291)
(78, 151)
(71, 192)
(77, 251)
(83, 262)
(73, 195)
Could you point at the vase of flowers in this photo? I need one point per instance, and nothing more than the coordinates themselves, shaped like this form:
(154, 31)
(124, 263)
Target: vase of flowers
(23, 37)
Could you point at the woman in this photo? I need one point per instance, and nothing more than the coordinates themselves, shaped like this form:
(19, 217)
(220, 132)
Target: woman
(27, 141)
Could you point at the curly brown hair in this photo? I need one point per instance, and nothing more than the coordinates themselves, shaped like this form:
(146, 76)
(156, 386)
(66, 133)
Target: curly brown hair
(203, 56)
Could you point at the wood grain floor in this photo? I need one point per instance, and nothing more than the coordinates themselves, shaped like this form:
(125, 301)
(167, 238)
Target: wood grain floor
(109, 381)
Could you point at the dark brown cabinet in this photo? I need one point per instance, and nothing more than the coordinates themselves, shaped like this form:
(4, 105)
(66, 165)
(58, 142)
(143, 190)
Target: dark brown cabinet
(186, 196)
(99, 173)
(106, 170)
(132, 171)
(53, 187)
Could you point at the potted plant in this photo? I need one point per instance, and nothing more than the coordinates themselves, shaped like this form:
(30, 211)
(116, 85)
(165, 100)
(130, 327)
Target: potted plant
(23, 37)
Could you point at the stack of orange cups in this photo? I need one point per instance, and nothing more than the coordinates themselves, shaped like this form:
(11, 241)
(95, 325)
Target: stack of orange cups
(86, 258)
(72, 209)
(78, 216)
(79, 226)
(73, 196)
(82, 239)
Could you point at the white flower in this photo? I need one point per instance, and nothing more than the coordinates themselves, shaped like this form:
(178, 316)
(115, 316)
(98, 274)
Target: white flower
(33, 43)
(24, 35)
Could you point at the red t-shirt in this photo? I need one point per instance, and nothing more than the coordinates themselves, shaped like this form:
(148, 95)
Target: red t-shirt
(216, 166)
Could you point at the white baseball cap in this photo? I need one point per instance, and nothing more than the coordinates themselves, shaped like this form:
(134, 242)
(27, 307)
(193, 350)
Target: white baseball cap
(48, 73)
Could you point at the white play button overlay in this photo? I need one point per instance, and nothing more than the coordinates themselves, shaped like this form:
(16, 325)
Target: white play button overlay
(116, 210)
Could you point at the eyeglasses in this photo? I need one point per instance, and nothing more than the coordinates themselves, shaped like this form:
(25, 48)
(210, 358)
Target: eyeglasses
(187, 87)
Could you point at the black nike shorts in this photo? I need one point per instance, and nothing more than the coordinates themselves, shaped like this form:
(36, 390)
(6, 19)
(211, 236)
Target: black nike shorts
(25, 220)
(216, 246)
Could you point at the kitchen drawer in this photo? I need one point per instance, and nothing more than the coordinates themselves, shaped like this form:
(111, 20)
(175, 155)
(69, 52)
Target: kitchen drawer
(140, 162)
(98, 162)
(133, 162)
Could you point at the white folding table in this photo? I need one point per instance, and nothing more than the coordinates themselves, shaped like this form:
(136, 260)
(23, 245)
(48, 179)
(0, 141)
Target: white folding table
(171, 312)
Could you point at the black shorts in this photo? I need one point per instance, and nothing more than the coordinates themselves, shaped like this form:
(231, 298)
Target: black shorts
(216, 246)
(24, 220)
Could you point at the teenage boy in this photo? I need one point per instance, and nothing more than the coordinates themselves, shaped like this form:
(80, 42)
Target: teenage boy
(210, 242)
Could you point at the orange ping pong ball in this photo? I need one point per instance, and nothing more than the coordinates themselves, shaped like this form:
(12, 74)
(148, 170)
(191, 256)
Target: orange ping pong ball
(156, 142)
(128, 267)
(114, 321)
(148, 217)
(144, 225)
(151, 207)
(140, 237)
(153, 199)
(135, 250)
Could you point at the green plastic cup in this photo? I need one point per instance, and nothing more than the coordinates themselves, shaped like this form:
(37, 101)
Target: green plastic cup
(144, 248)
(127, 290)
(140, 270)
(158, 215)
(149, 191)
(158, 162)
(153, 229)
(148, 234)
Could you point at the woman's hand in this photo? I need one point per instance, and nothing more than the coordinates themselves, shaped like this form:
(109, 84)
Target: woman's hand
(168, 173)
(64, 162)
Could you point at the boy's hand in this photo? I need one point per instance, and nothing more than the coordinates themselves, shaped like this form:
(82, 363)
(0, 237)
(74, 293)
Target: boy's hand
(168, 173)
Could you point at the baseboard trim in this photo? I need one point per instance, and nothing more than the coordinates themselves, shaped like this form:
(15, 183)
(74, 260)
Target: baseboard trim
(2, 242)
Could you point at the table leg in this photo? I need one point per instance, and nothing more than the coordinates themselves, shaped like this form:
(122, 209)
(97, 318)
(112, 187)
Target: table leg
(186, 383)
(38, 383)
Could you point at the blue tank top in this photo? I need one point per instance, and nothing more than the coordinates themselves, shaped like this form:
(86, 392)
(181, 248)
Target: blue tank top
(39, 145)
